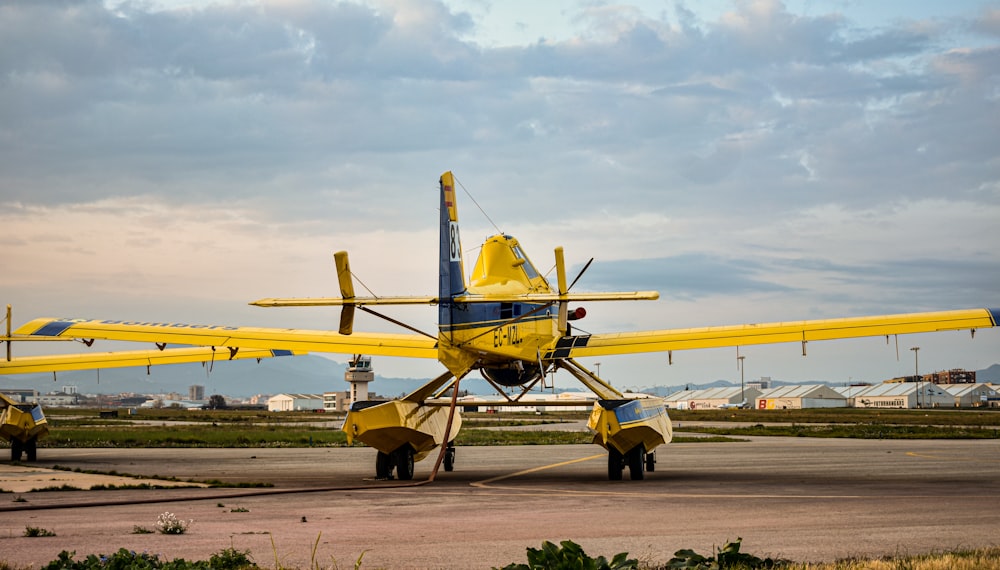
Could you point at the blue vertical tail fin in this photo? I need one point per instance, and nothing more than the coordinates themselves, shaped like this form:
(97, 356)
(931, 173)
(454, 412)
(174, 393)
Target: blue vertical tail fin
(451, 269)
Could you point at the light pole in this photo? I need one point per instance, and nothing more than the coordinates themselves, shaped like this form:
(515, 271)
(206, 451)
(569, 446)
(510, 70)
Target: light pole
(743, 397)
(597, 365)
(916, 375)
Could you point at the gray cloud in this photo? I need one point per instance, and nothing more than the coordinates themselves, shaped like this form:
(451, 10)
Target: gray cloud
(325, 120)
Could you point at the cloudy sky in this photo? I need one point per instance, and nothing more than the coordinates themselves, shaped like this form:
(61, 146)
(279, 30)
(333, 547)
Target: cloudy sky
(751, 160)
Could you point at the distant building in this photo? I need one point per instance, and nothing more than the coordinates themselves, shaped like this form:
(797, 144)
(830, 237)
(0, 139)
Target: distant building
(196, 392)
(953, 376)
(974, 395)
(710, 398)
(904, 395)
(59, 399)
(22, 395)
(336, 401)
(294, 402)
(801, 397)
(851, 390)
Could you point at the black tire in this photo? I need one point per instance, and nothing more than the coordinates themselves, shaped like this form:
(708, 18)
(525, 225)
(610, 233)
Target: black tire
(383, 466)
(16, 447)
(31, 449)
(616, 464)
(636, 462)
(404, 463)
(651, 461)
(449, 458)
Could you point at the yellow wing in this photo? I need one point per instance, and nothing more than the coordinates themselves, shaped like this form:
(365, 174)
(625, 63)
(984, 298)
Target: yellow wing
(767, 333)
(121, 359)
(378, 344)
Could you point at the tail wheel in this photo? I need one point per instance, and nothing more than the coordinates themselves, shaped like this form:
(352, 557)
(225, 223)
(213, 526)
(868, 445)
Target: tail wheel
(383, 466)
(404, 463)
(31, 449)
(616, 464)
(636, 462)
(449, 457)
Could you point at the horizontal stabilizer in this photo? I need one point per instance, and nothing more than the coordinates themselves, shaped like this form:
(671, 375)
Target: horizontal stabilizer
(555, 298)
(340, 301)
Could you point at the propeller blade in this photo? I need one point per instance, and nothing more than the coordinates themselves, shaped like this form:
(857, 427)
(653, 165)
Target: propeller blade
(580, 274)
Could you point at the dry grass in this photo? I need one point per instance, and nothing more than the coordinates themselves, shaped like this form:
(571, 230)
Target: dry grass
(978, 559)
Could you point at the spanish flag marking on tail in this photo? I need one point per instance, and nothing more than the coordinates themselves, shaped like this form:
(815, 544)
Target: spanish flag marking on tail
(448, 185)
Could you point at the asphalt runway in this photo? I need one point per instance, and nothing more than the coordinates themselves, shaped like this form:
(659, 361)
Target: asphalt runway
(798, 498)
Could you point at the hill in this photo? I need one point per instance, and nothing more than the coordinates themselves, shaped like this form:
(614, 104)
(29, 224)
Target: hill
(303, 374)
(308, 374)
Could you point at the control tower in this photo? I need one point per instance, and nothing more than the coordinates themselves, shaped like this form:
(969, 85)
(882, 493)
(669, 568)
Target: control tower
(359, 374)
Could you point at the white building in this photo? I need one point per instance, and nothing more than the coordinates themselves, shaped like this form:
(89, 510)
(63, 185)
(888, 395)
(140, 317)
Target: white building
(973, 395)
(905, 395)
(711, 398)
(294, 402)
(801, 397)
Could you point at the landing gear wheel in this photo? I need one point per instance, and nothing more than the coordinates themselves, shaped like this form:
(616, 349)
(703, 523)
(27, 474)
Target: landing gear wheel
(449, 457)
(404, 462)
(31, 449)
(15, 450)
(383, 466)
(651, 461)
(636, 462)
(616, 464)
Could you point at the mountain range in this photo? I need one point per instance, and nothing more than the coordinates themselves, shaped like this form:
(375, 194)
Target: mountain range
(308, 374)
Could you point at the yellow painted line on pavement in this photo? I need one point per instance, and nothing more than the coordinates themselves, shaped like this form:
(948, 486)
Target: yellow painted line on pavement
(949, 457)
(486, 483)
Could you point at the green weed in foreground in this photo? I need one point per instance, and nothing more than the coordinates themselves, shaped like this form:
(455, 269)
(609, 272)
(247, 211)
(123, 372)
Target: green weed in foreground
(34, 531)
(228, 559)
(729, 556)
(570, 556)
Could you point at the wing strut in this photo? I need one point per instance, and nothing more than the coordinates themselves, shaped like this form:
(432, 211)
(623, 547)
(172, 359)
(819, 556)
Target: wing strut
(603, 390)
(7, 338)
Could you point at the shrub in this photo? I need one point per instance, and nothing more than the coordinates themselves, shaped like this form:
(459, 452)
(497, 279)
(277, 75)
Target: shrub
(570, 556)
(168, 523)
(228, 559)
(728, 557)
(34, 531)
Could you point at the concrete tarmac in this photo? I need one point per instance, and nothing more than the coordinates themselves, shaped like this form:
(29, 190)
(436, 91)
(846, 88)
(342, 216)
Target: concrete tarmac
(798, 498)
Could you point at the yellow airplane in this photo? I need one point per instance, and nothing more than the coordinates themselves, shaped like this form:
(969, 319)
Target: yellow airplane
(513, 326)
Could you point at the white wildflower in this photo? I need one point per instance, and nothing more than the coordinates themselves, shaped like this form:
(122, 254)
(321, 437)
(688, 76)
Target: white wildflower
(168, 523)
